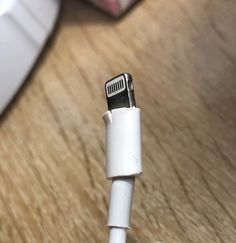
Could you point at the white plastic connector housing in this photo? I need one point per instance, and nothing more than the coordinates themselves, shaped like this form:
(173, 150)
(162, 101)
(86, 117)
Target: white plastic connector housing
(123, 142)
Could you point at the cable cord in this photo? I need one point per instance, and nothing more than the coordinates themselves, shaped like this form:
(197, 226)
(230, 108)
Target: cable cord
(117, 235)
(120, 208)
(123, 153)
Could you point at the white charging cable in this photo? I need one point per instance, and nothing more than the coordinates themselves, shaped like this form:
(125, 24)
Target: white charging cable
(123, 152)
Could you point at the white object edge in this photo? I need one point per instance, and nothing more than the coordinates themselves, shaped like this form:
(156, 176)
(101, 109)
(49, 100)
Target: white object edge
(25, 25)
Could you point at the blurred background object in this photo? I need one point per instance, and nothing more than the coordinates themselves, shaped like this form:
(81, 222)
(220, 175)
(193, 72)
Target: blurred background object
(182, 56)
(24, 28)
(114, 7)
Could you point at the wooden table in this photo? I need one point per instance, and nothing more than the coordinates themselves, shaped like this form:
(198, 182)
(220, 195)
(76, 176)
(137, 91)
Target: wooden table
(182, 55)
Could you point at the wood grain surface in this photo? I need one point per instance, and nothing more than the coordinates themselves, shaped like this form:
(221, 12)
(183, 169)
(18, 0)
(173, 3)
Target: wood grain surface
(182, 54)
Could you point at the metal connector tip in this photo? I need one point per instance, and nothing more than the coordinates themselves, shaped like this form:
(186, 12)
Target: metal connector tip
(120, 92)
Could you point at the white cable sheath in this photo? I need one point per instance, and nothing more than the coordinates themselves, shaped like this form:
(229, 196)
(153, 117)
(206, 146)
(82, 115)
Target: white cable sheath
(123, 155)
(117, 235)
(123, 142)
(120, 208)
(120, 202)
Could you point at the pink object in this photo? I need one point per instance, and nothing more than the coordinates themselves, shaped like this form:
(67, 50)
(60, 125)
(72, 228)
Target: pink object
(114, 7)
